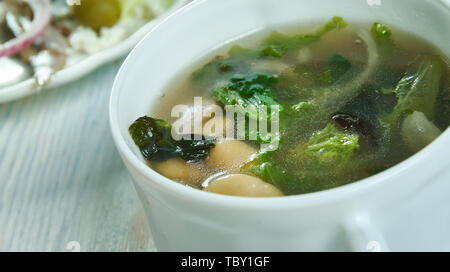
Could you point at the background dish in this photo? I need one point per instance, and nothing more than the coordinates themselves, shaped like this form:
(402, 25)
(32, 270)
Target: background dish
(87, 65)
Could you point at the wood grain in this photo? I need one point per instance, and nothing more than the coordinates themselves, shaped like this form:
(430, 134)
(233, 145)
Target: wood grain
(61, 178)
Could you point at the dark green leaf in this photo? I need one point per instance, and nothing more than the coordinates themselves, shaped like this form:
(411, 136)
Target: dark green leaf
(219, 67)
(325, 153)
(272, 51)
(386, 46)
(419, 87)
(416, 91)
(277, 44)
(154, 139)
(338, 66)
(250, 95)
(254, 90)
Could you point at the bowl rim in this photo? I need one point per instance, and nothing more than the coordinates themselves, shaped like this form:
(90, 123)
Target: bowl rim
(187, 193)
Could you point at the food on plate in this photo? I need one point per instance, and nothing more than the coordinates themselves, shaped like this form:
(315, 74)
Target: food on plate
(341, 103)
(41, 37)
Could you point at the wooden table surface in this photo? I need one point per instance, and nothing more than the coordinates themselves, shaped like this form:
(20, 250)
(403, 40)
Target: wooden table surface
(63, 184)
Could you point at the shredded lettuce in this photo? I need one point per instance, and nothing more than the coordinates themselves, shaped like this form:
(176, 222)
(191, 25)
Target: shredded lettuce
(416, 91)
(254, 90)
(154, 139)
(324, 154)
(329, 147)
(250, 95)
(383, 36)
(338, 66)
(277, 44)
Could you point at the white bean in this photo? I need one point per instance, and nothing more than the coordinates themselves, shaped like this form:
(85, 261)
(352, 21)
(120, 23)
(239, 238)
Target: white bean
(418, 131)
(230, 154)
(242, 185)
(218, 126)
(179, 170)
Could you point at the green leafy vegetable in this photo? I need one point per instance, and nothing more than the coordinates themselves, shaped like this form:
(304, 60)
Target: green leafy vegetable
(272, 51)
(383, 33)
(272, 172)
(329, 99)
(219, 68)
(248, 91)
(383, 36)
(324, 154)
(154, 139)
(390, 55)
(371, 102)
(338, 66)
(277, 44)
(313, 113)
(417, 90)
(326, 77)
(327, 148)
(250, 95)
(364, 112)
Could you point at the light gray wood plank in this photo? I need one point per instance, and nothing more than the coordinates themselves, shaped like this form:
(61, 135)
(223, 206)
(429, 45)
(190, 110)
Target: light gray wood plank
(61, 178)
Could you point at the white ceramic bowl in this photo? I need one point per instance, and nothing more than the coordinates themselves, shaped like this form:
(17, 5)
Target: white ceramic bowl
(87, 65)
(404, 208)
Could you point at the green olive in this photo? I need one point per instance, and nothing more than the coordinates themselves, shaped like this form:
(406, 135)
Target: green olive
(97, 13)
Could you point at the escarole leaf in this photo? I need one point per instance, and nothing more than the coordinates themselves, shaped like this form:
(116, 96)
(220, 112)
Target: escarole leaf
(314, 113)
(220, 68)
(277, 44)
(383, 36)
(417, 90)
(334, 97)
(390, 55)
(325, 153)
(155, 141)
(248, 91)
(250, 96)
(338, 66)
(265, 167)
(329, 148)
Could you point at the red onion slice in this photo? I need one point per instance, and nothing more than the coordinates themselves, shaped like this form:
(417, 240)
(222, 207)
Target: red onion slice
(41, 19)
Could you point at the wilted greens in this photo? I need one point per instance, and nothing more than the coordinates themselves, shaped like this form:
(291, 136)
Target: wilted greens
(248, 91)
(325, 150)
(154, 139)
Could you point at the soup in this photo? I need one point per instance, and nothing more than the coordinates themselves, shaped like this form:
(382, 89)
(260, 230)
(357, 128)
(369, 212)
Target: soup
(287, 113)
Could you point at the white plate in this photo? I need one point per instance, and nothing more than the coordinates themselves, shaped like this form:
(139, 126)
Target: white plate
(87, 65)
